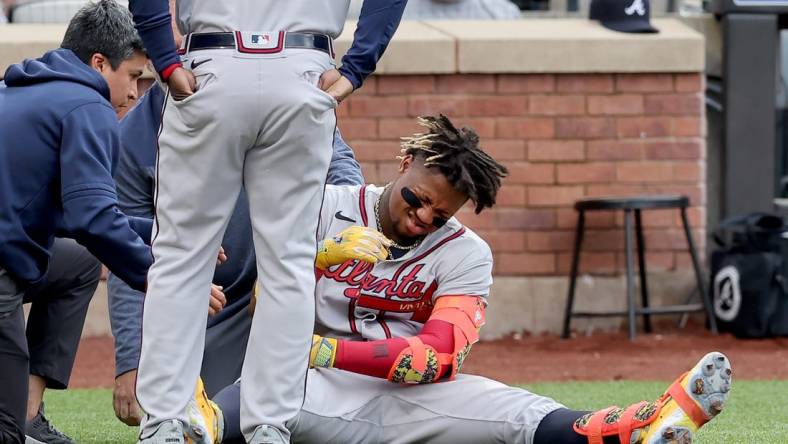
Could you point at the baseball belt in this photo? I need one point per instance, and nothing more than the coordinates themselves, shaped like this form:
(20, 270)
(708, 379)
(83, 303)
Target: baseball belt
(257, 42)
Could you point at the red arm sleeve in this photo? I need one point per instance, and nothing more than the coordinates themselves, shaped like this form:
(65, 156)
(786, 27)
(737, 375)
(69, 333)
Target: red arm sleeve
(375, 358)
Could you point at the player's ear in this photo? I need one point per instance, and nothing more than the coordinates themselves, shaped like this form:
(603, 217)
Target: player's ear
(99, 62)
(405, 163)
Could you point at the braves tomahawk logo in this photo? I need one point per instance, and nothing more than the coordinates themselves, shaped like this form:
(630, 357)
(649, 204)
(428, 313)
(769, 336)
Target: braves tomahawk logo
(398, 294)
(637, 7)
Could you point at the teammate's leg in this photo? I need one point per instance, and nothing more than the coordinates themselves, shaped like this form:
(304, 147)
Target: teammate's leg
(59, 306)
(284, 176)
(14, 356)
(199, 175)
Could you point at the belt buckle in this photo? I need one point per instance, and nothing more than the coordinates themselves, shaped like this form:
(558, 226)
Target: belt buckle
(260, 42)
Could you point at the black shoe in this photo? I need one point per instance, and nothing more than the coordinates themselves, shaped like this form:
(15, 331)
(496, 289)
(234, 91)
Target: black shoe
(40, 429)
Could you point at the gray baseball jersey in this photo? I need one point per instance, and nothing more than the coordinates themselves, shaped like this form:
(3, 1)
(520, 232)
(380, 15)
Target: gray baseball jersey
(325, 17)
(393, 298)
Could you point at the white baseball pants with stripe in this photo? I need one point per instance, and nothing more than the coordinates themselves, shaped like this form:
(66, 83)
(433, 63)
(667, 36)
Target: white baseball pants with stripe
(260, 121)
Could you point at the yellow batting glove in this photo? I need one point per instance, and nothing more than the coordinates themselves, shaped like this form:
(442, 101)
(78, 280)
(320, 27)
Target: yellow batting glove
(354, 243)
(323, 353)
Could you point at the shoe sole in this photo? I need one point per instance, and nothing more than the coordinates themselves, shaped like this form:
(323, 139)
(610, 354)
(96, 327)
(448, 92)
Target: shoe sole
(709, 386)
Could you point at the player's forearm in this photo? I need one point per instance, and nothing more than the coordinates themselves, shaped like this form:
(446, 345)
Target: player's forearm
(152, 20)
(94, 221)
(377, 23)
(438, 351)
(376, 358)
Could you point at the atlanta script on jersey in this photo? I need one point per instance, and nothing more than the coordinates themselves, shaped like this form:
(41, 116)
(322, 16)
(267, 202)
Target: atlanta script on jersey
(393, 298)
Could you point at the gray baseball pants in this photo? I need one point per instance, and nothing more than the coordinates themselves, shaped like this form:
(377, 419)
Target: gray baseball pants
(349, 408)
(260, 121)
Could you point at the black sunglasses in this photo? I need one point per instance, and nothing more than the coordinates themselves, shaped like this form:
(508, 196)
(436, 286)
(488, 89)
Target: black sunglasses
(414, 201)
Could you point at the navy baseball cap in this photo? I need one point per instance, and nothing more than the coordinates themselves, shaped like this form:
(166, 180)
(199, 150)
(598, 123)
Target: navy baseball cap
(623, 15)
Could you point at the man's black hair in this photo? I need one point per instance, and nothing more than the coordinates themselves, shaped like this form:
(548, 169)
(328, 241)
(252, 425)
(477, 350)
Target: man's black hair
(103, 27)
(456, 153)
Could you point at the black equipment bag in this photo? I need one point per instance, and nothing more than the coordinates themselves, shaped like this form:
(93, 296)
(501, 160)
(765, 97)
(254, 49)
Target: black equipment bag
(748, 276)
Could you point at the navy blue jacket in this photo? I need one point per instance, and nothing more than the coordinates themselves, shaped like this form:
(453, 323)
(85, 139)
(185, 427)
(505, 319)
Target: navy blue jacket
(376, 25)
(135, 178)
(58, 147)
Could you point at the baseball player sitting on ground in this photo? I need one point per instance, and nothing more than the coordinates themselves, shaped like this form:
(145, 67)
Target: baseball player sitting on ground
(401, 296)
(58, 137)
(228, 329)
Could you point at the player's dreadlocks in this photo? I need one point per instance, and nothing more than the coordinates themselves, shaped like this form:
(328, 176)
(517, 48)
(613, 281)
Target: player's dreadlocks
(457, 154)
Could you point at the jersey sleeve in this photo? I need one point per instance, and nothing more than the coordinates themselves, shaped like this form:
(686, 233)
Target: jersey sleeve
(376, 25)
(344, 169)
(135, 174)
(471, 276)
(152, 20)
(125, 317)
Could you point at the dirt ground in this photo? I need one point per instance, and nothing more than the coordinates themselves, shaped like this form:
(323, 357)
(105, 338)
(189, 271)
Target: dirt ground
(603, 356)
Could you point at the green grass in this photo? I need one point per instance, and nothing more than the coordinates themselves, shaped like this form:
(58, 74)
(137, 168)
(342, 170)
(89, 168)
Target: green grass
(755, 414)
(87, 416)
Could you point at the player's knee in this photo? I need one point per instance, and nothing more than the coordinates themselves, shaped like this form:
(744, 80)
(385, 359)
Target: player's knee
(85, 268)
(13, 345)
(92, 270)
(73, 267)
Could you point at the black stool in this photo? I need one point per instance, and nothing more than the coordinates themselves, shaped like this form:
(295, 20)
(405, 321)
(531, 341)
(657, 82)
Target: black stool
(635, 205)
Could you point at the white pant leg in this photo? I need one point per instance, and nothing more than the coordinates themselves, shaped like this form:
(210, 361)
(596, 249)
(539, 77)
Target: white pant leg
(284, 177)
(199, 176)
(346, 408)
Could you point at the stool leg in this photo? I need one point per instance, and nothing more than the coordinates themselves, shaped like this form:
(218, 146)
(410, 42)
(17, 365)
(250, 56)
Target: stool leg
(630, 274)
(570, 297)
(642, 266)
(698, 274)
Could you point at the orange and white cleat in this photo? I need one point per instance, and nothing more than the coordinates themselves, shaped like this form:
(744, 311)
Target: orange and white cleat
(694, 399)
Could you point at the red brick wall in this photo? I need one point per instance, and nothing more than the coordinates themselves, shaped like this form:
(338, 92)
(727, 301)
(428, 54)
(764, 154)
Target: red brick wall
(562, 137)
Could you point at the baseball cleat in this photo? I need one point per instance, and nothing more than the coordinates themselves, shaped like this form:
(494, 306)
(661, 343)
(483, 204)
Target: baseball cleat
(267, 435)
(694, 399)
(206, 422)
(168, 432)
